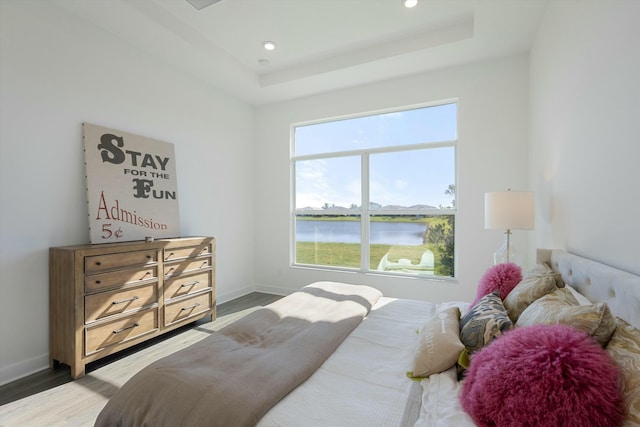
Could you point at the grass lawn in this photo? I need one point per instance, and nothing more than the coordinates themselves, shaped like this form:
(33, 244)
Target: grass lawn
(348, 254)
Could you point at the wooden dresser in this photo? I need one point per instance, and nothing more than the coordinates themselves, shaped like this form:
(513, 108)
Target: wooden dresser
(107, 297)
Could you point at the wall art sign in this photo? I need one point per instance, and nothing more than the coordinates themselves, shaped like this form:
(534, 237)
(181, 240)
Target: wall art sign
(131, 186)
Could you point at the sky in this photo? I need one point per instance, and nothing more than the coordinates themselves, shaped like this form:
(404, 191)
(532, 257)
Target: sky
(415, 177)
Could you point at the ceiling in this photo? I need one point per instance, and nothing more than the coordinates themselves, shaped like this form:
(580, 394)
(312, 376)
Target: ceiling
(321, 45)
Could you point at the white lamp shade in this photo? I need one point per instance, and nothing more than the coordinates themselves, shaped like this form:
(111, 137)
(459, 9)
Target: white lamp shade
(509, 210)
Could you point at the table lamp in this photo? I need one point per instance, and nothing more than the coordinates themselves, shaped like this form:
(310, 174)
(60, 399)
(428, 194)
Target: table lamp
(508, 210)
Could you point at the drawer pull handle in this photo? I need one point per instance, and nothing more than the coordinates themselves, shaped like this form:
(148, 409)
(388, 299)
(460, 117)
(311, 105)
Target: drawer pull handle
(204, 264)
(98, 263)
(169, 255)
(149, 256)
(98, 282)
(184, 285)
(190, 307)
(117, 331)
(125, 300)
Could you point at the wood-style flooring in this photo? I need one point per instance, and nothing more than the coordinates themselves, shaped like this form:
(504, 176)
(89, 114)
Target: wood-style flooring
(50, 398)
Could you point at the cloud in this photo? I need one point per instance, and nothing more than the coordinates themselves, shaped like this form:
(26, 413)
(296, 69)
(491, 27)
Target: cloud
(400, 184)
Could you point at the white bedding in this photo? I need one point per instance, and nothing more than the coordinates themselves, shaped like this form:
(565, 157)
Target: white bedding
(369, 366)
(440, 404)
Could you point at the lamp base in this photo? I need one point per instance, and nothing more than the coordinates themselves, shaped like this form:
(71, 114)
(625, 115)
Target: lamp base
(507, 252)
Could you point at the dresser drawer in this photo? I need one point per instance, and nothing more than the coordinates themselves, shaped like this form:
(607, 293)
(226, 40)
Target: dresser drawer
(183, 285)
(121, 330)
(98, 306)
(187, 266)
(188, 307)
(189, 252)
(115, 279)
(100, 263)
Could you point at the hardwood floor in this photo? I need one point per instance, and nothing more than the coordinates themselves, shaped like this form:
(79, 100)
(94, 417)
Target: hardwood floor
(51, 398)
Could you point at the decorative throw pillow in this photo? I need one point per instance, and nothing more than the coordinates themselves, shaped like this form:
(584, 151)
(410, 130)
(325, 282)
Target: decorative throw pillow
(543, 269)
(624, 348)
(560, 306)
(559, 295)
(439, 343)
(501, 277)
(582, 300)
(544, 376)
(535, 283)
(485, 321)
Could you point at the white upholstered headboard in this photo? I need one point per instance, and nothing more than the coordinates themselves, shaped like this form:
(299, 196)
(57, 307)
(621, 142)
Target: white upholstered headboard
(598, 282)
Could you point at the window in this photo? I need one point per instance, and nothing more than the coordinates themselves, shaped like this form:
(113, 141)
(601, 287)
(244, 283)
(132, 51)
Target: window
(377, 192)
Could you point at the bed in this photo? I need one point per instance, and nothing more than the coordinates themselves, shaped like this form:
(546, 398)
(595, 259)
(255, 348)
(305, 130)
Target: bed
(345, 355)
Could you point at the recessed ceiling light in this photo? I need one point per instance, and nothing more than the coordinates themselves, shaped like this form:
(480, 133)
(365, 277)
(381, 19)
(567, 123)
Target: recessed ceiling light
(409, 3)
(269, 45)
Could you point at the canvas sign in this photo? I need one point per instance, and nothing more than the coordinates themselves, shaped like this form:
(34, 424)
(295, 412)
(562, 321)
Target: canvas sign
(131, 186)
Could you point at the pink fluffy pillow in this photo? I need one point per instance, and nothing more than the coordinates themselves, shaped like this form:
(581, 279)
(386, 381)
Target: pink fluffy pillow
(501, 277)
(544, 376)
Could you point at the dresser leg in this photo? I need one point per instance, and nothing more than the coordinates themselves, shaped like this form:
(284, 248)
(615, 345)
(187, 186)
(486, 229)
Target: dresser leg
(77, 370)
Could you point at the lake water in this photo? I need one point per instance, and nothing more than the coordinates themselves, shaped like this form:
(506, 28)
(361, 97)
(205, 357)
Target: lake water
(392, 233)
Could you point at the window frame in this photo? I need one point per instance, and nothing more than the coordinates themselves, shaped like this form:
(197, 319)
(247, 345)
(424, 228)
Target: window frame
(364, 210)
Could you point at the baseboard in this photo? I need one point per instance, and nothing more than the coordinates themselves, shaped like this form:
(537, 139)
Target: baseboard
(275, 290)
(23, 368)
(222, 298)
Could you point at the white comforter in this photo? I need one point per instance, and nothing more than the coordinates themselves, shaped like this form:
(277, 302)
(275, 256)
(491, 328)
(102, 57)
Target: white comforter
(364, 383)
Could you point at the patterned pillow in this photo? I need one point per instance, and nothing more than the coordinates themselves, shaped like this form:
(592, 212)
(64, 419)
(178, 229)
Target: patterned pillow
(543, 269)
(561, 295)
(560, 306)
(624, 349)
(484, 322)
(438, 344)
(582, 300)
(536, 282)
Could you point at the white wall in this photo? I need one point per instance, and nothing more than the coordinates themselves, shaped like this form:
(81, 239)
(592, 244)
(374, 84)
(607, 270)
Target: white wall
(55, 73)
(492, 155)
(585, 122)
